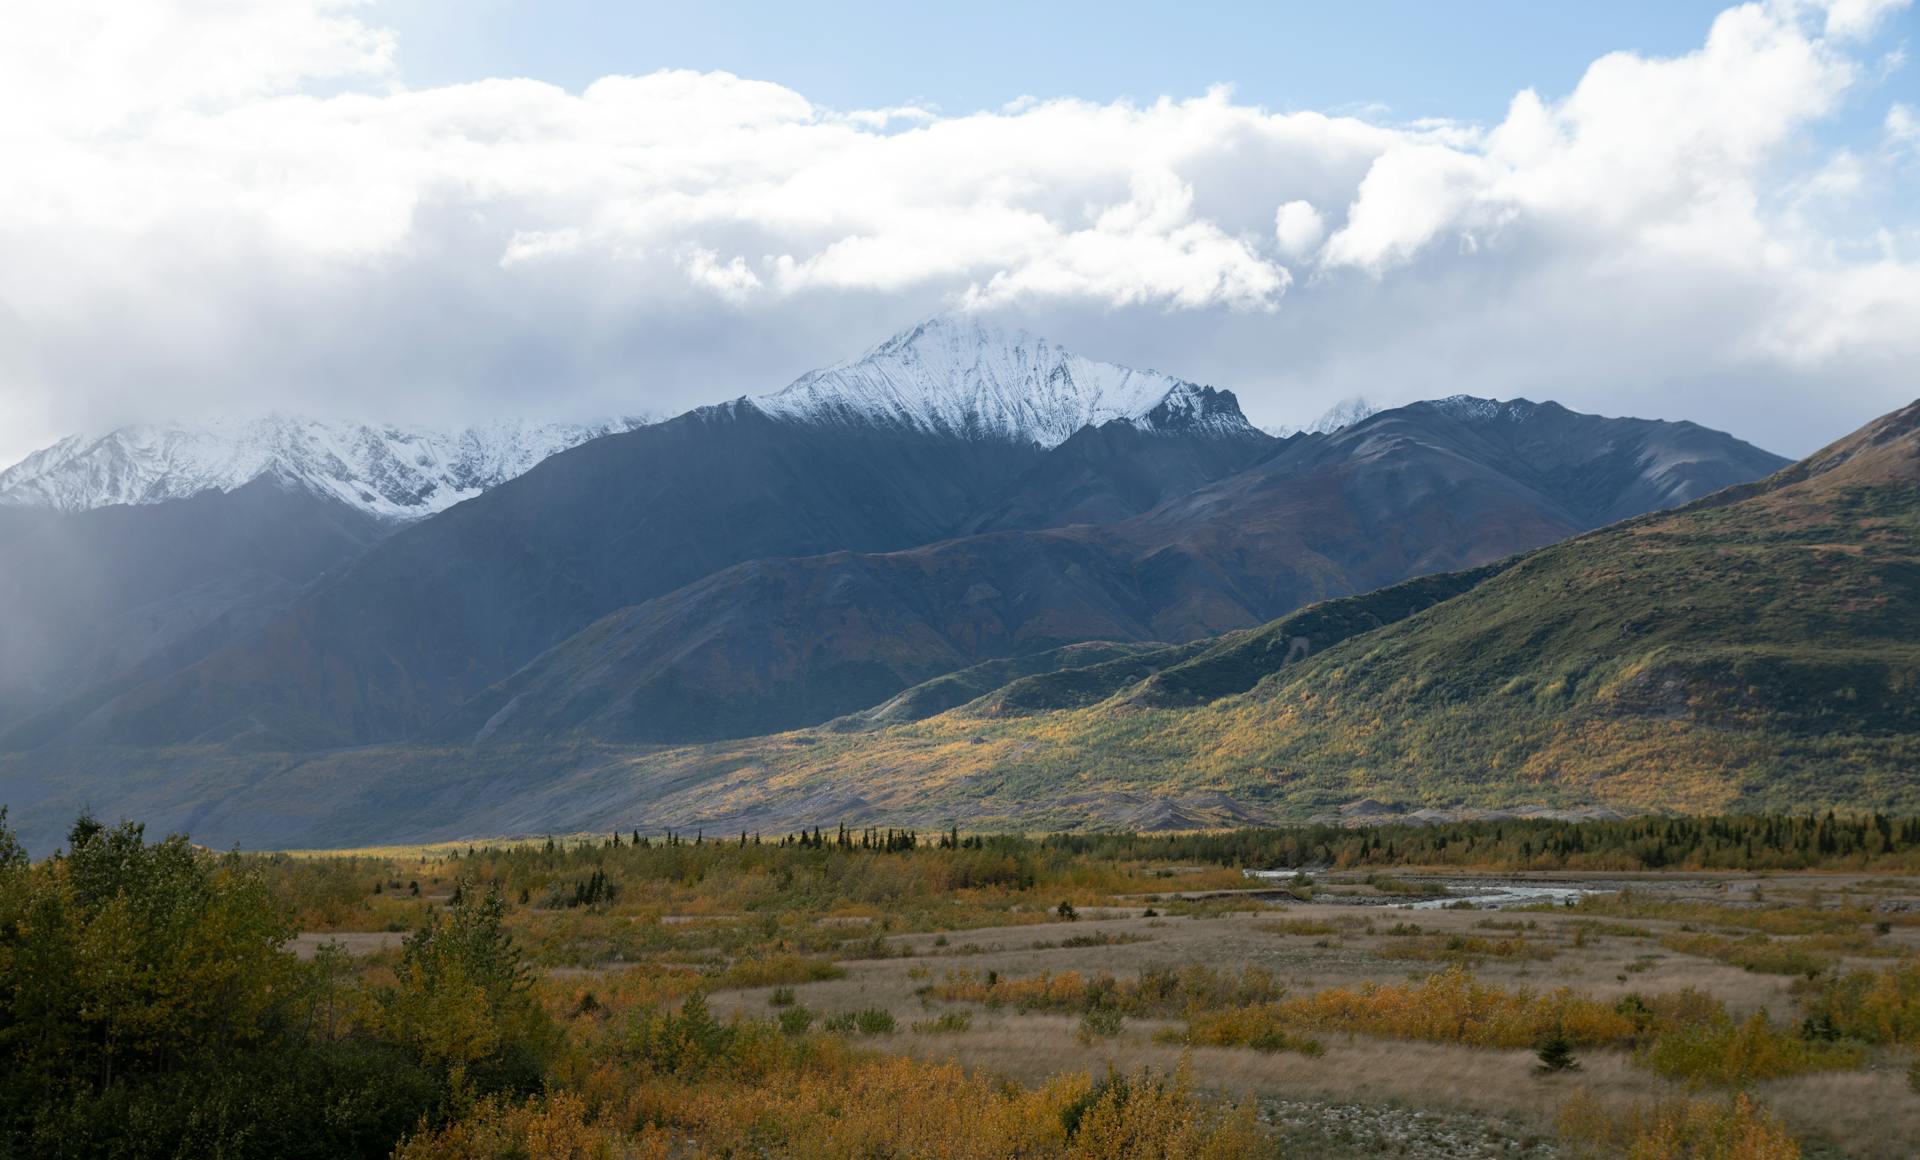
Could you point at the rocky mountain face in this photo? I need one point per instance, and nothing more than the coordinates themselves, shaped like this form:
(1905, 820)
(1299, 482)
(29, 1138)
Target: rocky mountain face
(790, 642)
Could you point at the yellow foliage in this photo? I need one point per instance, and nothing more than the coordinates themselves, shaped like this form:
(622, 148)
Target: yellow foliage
(1453, 1007)
(554, 1128)
(1737, 1129)
(1723, 1052)
(1877, 1006)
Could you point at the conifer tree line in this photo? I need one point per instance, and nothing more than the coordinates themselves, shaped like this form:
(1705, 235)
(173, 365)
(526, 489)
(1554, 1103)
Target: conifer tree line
(1750, 841)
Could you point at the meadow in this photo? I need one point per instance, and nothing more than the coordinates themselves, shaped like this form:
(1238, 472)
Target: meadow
(1711, 987)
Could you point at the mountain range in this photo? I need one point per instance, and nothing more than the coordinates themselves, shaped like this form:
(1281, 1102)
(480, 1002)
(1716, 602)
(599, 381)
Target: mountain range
(390, 473)
(959, 513)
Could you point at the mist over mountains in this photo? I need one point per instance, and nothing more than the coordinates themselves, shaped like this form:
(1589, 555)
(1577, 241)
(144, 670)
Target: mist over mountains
(958, 495)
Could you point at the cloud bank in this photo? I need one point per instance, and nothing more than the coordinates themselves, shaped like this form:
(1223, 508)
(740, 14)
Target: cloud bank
(214, 206)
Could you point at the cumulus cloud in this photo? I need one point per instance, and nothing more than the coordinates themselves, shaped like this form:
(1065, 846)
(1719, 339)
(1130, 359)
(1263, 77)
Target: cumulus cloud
(227, 205)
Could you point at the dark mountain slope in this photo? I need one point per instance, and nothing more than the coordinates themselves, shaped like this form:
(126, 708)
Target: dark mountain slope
(443, 608)
(91, 601)
(779, 644)
(1116, 470)
(1753, 649)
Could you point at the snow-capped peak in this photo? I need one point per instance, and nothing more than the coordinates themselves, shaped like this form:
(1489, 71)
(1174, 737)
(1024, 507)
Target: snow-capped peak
(959, 376)
(1338, 417)
(391, 472)
(1476, 409)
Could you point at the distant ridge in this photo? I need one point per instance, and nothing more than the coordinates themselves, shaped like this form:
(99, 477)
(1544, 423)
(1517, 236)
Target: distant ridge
(394, 473)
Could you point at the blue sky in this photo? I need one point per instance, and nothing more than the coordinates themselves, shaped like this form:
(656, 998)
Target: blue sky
(450, 210)
(1404, 59)
(1420, 59)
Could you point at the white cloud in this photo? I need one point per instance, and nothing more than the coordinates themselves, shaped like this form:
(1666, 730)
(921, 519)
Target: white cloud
(213, 204)
(1902, 126)
(1298, 228)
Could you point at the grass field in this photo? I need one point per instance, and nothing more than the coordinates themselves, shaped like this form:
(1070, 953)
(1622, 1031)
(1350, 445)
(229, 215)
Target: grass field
(1337, 1018)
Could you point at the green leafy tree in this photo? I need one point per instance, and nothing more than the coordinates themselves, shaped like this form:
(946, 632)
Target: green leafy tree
(463, 1005)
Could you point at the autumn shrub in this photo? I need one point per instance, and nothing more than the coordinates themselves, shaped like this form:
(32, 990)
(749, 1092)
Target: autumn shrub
(946, 1023)
(1099, 1023)
(1454, 1007)
(1880, 1006)
(555, 1127)
(1463, 948)
(1727, 1053)
(1734, 1129)
(768, 970)
(1754, 952)
(1151, 1116)
(1155, 991)
(1263, 1027)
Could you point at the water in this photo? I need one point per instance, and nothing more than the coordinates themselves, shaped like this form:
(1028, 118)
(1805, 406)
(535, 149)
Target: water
(1482, 893)
(1500, 895)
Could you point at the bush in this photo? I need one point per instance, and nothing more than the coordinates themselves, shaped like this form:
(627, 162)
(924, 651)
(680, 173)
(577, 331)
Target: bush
(1263, 1028)
(1737, 1129)
(781, 997)
(1453, 1007)
(1875, 1006)
(795, 1020)
(1100, 1023)
(871, 1021)
(949, 1023)
(1731, 1054)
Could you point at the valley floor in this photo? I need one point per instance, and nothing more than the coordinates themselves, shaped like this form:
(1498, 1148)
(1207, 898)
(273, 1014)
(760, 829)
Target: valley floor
(1364, 1094)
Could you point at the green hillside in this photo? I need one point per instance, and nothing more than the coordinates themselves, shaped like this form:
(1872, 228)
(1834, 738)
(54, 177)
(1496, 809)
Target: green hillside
(1756, 648)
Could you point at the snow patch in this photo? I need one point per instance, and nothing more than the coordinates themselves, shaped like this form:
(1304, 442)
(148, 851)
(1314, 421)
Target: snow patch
(392, 472)
(959, 377)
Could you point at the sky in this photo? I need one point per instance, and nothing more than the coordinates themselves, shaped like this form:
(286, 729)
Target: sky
(450, 211)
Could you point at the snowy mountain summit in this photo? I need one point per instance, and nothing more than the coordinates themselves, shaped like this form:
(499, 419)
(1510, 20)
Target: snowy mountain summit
(961, 377)
(390, 472)
(1338, 417)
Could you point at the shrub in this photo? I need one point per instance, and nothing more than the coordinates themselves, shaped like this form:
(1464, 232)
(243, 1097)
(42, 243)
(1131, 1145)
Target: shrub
(781, 997)
(795, 1020)
(1876, 1006)
(1263, 1028)
(948, 1023)
(1738, 1129)
(1731, 1054)
(1100, 1023)
(871, 1021)
(1453, 1007)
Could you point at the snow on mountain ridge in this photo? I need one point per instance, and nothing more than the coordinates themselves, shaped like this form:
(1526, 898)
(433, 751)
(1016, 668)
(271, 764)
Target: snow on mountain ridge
(1338, 417)
(958, 376)
(391, 472)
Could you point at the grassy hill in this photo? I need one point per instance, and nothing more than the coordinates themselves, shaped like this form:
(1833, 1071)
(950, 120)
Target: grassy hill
(1755, 648)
